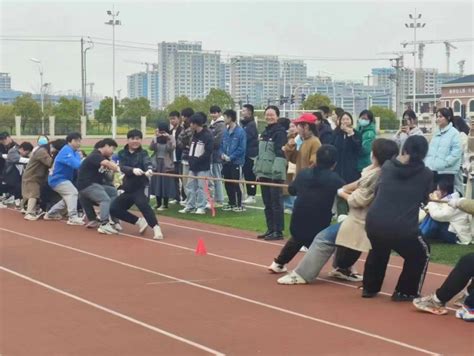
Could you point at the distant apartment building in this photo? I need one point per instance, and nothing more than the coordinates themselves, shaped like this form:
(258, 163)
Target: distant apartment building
(185, 69)
(144, 85)
(255, 79)
(294, 74)
(5, 81)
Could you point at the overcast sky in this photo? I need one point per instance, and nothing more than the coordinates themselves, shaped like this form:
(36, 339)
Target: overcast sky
(350, 29)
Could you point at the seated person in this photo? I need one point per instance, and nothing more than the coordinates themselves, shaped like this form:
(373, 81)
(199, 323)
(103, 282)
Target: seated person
(445, 223)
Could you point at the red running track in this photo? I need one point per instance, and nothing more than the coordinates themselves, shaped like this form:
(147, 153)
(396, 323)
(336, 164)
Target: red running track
(68, 290)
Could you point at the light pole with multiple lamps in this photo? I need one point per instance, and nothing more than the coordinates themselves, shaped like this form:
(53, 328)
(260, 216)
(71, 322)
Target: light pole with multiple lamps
(40, 68)
(113, 22)
(414, 25)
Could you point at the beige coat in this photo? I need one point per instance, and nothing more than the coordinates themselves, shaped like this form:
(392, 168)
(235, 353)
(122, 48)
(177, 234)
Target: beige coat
(352, 232)
(36, 173)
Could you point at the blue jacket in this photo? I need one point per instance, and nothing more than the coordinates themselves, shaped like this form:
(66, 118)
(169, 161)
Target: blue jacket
(234, 145)
(65, 163)
(444, 154)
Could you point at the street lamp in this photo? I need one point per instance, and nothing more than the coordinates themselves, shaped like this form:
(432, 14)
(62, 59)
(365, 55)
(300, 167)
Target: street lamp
(414, 25)
(113, 22)
(84, 83)
(40, 68)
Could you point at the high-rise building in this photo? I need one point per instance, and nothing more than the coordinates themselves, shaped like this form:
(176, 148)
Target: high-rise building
(383, 77)
(255, 79)
(5, 81)
(144, 85)
(137, 85)
(224, 76)
(185, 69)
(293, 74)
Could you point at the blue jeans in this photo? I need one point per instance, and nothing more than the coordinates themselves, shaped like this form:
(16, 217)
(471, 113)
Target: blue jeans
(288, 202)
(216, 188)
(435, 230)
(320, 251)
(195, 190)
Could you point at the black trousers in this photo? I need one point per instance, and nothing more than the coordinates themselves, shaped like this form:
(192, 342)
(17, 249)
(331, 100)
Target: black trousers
(289, 251)
(232, 171)
(458, 279)
(273, 201)
(121, 205)
(345, 257)
(249, 176)
(414, 250)
(15, 189)
(178, 169)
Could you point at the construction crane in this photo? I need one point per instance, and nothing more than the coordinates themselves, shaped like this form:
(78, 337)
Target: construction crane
(447, 43)
(461, 64)
(154, 66)
(91, 87)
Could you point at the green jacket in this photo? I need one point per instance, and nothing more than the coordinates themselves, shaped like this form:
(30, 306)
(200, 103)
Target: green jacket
(270, 162)
(368, 136)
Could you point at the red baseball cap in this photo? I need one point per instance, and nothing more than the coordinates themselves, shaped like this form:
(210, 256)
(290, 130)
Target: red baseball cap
(307, 118)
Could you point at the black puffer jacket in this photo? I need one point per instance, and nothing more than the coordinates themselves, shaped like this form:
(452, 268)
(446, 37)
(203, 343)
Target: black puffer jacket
(400, 191)
(251, 131)
(130, 160)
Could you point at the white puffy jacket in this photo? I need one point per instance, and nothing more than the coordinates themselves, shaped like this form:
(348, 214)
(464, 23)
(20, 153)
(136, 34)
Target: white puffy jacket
(459, 221)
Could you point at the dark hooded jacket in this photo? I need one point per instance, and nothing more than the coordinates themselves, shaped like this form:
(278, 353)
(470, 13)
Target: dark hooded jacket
(401, 190)
(130, 160)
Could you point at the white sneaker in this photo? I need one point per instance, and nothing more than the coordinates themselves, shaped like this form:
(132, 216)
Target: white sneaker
(186, 210)
(277, 268)
(52, 217)
(116, 226)
(17, 203)
(291, 278)
(162, 208)
(94, 224)
(174, 201)
(107, 229)
(23, 211)
(32, 217)
(3, 206)
(9, 201)
(183, 202)
(288, 211)
(75, 220)
(346, 275)
(208, 205)
(142, 225)
(250, 200)
(200, 211)
(157, 234)
(304, 249)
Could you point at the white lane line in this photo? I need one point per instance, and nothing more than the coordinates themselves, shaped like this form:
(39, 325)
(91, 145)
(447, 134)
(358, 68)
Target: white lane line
(234, 296)
(259, 241)
(265, 242)
(113, 312)
(188, 280)
(248, 262)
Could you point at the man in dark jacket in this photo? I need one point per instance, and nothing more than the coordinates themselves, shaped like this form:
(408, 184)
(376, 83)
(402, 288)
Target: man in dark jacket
(136, 166)
(6, 143)
(315, 190)
(217, 128)
(183, 142)
(200, 152)
(250, 127)
(324, 129)
(175, 129)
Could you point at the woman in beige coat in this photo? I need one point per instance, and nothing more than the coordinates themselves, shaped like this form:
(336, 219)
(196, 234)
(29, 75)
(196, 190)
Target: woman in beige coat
(36, 175)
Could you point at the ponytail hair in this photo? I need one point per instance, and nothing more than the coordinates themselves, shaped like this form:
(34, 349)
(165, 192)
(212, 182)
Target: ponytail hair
(416, 147)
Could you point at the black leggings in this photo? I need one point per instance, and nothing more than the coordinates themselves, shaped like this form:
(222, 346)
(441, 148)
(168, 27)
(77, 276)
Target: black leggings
(458, 279)
(345, 257)
(121, 205)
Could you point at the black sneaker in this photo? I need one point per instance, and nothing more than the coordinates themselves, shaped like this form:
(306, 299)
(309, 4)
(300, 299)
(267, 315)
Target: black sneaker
(367, 294)
(275, 236)
(265, 234)
(402, 297)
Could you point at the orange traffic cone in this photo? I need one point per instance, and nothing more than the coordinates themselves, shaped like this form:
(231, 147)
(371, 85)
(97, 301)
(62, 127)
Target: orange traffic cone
(201, 248)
